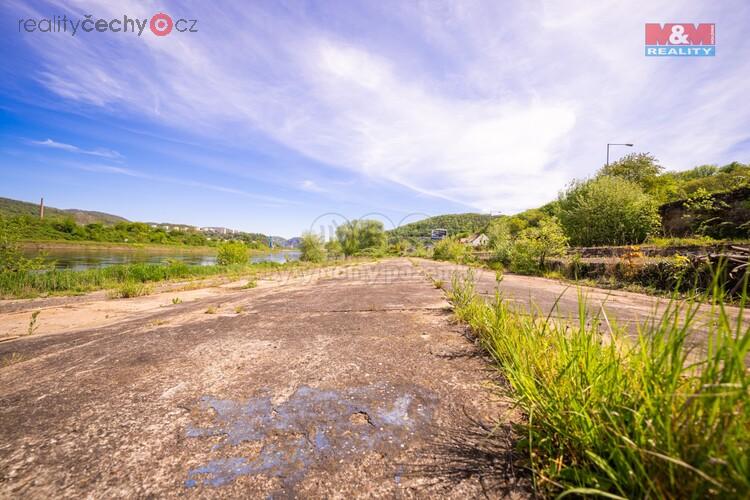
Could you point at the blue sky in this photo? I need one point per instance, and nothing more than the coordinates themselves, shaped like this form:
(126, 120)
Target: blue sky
(276, 112)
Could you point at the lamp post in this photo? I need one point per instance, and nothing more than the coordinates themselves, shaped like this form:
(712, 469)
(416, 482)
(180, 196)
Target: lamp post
(616, 144)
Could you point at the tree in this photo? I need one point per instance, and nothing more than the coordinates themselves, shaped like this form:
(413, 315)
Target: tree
(312, 248)
(607, 211)
(359, 235)
(641, 168)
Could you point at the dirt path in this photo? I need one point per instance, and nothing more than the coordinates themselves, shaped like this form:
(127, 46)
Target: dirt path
(353, 382)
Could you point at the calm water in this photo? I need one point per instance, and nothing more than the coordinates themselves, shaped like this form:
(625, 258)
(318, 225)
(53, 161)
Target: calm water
(87, 258)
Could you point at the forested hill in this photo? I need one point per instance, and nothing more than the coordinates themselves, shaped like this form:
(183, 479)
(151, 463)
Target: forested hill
(13, 208)
(453, 223)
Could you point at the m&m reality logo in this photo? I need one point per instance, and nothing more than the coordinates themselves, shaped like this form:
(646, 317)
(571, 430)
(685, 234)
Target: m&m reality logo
(680, 39)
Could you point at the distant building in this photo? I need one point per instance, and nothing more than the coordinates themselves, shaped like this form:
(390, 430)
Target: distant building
(438, 234)
(476, 240)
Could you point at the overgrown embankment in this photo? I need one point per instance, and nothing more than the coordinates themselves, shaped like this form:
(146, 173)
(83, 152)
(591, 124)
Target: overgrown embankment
(621, 418)
(24, 284)
(129, 278)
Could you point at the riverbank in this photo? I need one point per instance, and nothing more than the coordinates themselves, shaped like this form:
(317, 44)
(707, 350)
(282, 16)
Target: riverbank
(127, 280)
(45, 245)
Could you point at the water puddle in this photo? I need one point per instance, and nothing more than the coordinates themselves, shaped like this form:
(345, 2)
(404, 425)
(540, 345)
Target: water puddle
(311, 427)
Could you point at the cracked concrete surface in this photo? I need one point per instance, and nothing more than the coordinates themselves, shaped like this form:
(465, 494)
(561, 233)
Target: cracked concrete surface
(348, 381)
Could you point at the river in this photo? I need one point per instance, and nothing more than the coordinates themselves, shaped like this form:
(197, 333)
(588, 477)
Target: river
(83, 257)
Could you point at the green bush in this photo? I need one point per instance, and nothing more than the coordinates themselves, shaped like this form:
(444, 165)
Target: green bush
(450, 249)
(501, 237)
(376, 252)
(333, 249)
(233, 252)
(530, 250)
(11, 257)
(607, 211)
(358, 235)
(400, 247)
(420, 250)
(312, 248)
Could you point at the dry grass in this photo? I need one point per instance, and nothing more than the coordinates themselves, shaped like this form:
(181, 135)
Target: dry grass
(12, 359)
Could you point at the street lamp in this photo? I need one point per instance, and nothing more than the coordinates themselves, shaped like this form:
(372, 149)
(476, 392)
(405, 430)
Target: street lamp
(615, 144)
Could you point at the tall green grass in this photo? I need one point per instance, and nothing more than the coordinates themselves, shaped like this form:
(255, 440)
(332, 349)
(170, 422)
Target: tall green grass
(616, 416)
(34, 283)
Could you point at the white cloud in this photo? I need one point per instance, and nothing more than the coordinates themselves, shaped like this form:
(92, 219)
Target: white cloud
(311, 186)
(494, 105)
(269, 201)
(101, 152)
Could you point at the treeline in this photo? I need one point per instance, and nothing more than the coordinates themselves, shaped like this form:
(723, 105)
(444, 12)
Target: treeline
(454, 224)
(359, 237)
(27, 227)
(621, 205)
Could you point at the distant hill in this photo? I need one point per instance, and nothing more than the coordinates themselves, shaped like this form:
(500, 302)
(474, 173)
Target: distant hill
(12, 208)
(293, 242)
(453, 223)
(280, 241)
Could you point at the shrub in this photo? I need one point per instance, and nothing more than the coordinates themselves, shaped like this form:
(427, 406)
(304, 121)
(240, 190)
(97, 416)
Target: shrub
(607, 211)
(420, 250)
(501, 239)
(358, 235)
(333, 248)
(312, 248)
(233, 252)
(376, 252)
(450, 249)
(400, 247)
(532, 247)
(11, 257)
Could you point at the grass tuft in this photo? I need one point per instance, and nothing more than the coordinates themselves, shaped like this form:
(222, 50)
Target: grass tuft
(12, 359)
(33, 326)
(621, 417)
(130, 289)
